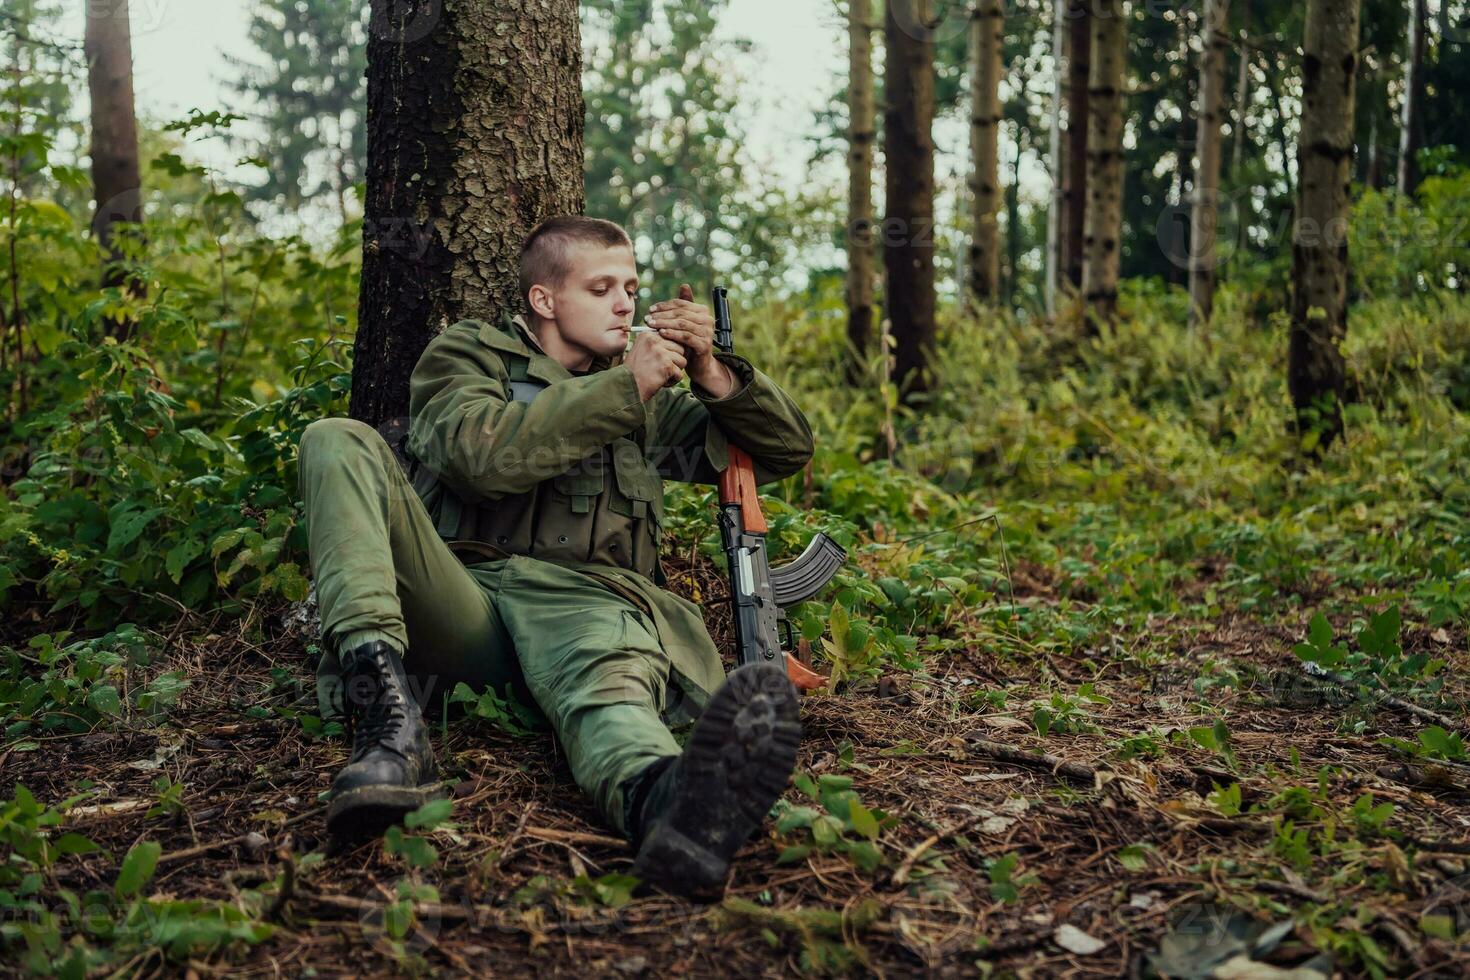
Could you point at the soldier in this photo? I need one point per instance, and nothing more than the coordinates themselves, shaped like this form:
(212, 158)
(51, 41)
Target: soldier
(521, 551)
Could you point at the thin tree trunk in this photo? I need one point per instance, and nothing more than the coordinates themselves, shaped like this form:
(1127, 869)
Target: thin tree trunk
(986, 25)
(117, 182)
(1054, 156)
(474, 136)
(1244, 209)
(1408, 176)
(1013, 228)
(1316, 375)
(1104, 163)
(1204, 218)
(860, 136)
(1079, 67)
(908, 233)
(1373, 173)
(1185, 136)
(1242, 93)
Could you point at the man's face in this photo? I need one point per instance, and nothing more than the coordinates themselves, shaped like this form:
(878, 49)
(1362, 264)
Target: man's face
(593, 308)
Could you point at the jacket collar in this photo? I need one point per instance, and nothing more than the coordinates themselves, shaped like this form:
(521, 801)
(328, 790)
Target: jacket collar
(512, 335)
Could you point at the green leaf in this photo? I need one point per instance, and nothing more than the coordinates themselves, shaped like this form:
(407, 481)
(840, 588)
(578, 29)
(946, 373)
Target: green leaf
(73, 843)
(796, 818)
(793, 854)
(398, 919)
(226, 541)
(126, 529)
(862, 820)
(179, 556)
(1319, 632)
(1134, 857)
(104, 700)
(137, 868)
(430, 815)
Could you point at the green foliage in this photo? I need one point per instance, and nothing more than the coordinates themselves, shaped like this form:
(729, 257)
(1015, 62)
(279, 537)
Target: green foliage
(507, 714)
(842, 824)
(1005, 883)
(51, 930)
(1379, 661)
(55, 686)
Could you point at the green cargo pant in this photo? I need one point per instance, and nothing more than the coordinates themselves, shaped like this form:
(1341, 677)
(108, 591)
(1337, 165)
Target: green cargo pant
(591, 660)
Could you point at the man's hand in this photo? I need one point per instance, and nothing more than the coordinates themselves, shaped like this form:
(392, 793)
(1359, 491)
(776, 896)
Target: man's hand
(691, 325)
(656, 363)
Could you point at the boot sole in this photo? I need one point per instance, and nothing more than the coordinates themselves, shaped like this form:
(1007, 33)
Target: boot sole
(367, 811)
(737, 762)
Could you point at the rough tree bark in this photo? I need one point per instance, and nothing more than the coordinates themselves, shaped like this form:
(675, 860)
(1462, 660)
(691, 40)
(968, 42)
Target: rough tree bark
(987, 21)
(117, 184)
(474, 136)
(861, 132)
(1205, 214)
(1104, 164)
(1079, 67)
(908, 229)
(1408, 176)
(1316, 375)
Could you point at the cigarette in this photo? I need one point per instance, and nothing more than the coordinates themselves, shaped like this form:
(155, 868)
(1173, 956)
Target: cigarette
(635, 330)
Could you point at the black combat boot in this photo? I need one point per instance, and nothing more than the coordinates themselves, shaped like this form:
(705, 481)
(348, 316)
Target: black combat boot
(391, 758)
(690, 813)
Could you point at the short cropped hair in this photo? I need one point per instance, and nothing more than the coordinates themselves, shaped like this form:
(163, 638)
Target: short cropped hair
(545, 256)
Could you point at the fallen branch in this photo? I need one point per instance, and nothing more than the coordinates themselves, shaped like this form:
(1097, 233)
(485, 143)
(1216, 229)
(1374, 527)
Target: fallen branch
(1295, 891)
(1000, 752)
(573, 837)
(1318, 673)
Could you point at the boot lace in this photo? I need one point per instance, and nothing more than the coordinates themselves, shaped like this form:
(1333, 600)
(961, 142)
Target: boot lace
(379, 718)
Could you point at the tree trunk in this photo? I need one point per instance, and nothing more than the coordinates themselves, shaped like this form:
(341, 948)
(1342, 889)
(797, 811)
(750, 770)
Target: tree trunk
(1204, 218)
(1373, 173)
(860, 136)
(474, 136)
(117, 183)
(908, 230)
(1079, 67)
(1186, 134)
(1413, 96)
(1315, 369)
(1242, 94)
(1054, 156)
(1013, 227)
(1104, 163)
(986, 25)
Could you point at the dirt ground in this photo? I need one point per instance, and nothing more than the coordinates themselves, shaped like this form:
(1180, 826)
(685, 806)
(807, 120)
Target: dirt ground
(1112, 851)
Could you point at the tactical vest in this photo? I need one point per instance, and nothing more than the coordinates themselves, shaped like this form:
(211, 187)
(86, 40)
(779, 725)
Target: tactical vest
(608, 509)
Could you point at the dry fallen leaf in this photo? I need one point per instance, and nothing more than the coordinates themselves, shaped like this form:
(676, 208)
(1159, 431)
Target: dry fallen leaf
(1074, 940)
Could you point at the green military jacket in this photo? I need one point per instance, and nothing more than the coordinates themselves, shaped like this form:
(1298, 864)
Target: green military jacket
(514, 455)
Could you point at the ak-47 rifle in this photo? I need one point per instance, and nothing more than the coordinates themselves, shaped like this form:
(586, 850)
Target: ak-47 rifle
(759, 594)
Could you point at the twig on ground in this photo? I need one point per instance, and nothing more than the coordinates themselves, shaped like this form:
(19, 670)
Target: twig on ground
(1001, 752)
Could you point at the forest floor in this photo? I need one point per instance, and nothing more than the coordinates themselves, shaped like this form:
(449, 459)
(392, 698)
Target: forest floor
(1141, 825)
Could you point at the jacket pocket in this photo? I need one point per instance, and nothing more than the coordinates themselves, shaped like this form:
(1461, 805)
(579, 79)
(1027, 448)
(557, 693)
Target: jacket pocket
(582, 484)
(640, 488)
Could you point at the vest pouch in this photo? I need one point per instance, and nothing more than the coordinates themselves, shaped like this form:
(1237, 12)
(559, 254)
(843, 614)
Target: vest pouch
(582, 484)
(640, 489)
